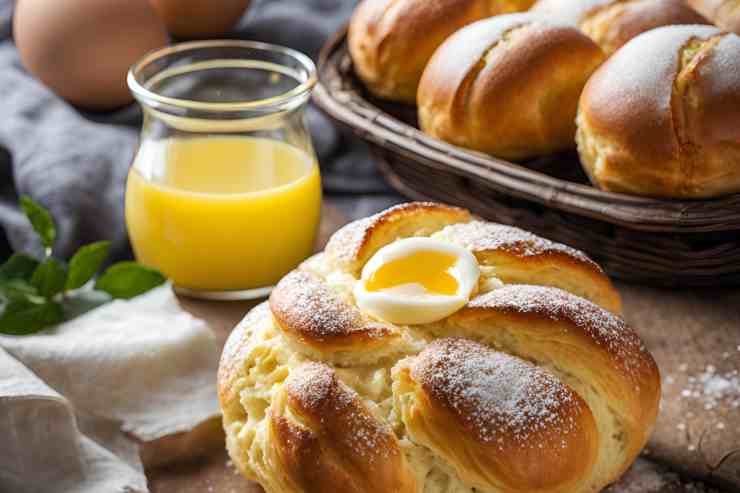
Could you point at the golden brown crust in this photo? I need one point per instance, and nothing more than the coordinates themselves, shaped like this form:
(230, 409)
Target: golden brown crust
(530, 71)
(327, 440)
(505, 424)
(611, 23)
(306, 309)
(391, 41)
(584, 344)
(678, 135)
(350, 247)
(715, 81)
(723, 13)
(520, 257)
(312, 402)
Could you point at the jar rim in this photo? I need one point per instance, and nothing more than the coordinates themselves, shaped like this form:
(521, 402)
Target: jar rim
(145, 95)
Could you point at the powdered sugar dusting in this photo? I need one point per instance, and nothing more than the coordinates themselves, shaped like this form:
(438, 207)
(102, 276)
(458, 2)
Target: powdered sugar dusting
(303, 303)
(316, 390)
(498, 397)
(344, 246)
(573, 12)
(712, 388)
(632, 89)
(718, 80)
(603, 327)
(310, 386)
(479, 236)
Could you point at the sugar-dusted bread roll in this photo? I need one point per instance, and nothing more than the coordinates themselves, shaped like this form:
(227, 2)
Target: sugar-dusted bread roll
(723, 13)
(535, 384)
(611, 23)
(391, 41)
(662, 116)
(507, 86)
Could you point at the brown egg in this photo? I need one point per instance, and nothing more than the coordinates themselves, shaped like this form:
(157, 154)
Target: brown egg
(82, 49)
(200, 18)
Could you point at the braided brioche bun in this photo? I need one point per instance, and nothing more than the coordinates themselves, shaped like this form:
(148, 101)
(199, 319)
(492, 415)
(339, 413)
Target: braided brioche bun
(724, 13)
(527, 388)
(662, 116)
(507, 86)
(611, 23)
(391, 41)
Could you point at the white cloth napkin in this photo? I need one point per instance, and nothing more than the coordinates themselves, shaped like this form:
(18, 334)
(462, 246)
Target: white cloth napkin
(74, 399)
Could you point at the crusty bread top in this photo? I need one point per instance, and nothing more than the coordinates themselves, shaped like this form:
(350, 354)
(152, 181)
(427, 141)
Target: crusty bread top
(571, 11)
(629, 98)
(611, 23)
(392, 40)
(304, 306)
(481, 238)
(354, 244)
(717, 80)
(724, 13)
(499, 409)
(507, 85)
(575, 319)
(326, 437)
(546, 324)
(473, 50)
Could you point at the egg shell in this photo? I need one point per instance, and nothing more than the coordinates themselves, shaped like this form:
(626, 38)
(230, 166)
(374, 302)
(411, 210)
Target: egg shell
(82, 49)
(395, 307)
(200, 18)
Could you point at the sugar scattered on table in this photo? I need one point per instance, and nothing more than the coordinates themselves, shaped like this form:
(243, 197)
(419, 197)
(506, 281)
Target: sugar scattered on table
(712, 387)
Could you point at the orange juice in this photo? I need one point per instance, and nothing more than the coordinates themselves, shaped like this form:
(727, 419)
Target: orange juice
(222, 213)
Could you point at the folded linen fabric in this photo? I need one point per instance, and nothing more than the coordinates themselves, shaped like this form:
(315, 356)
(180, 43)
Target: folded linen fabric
(76, 400)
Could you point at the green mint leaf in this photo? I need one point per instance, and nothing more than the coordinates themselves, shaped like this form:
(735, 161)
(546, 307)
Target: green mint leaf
(15, 289)
(85, 263)
(49, 277)
(41, 220)
(18, 266)
(128, 279)
(25, 316)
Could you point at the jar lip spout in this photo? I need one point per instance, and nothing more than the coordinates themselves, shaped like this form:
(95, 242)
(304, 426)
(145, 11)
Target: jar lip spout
(303, 71)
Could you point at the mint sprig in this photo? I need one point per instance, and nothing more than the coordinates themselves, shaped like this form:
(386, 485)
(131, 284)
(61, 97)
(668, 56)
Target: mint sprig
(85, 263)
(41, 221)
(49, 277)
(18, 266)
(35, 295)
(128, 279)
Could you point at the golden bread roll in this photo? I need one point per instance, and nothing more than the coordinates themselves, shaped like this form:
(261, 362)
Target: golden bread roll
(723, 13)
(507, 86)
(484, 412)
(611, 23)
(662, 116)
(526, 388)
(391, 41)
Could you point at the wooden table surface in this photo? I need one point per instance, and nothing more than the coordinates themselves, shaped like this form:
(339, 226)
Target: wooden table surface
(695, 338)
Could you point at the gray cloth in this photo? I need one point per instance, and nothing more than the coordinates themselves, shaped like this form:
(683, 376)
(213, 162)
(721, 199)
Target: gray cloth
(75, 163)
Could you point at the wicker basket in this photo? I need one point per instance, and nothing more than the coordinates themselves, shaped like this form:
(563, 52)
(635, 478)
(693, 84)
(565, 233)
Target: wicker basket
(654, 241)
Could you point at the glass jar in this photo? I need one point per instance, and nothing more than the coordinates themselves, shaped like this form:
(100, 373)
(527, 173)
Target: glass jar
(224, 192)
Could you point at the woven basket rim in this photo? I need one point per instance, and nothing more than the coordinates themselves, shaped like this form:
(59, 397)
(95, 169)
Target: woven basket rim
(373, 124)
